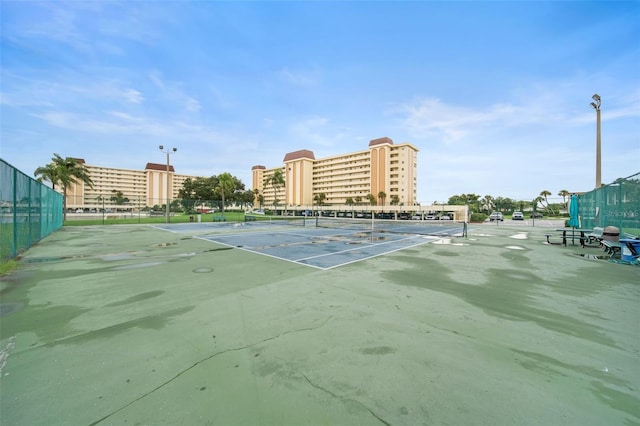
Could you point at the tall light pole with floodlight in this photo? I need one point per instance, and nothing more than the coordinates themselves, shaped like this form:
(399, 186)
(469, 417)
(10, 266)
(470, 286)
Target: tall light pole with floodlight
(168, 152)
(596, 105)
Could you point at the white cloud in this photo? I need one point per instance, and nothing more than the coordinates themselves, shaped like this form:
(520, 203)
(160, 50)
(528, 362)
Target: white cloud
(431, 117)
(133, 96)
(117, 122)
(192, 104)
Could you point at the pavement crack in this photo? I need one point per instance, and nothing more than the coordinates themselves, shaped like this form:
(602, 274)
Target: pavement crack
(383, 421)
(207, 358)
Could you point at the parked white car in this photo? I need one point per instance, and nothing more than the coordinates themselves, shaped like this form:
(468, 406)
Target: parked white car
(496, 216)
(517, 216)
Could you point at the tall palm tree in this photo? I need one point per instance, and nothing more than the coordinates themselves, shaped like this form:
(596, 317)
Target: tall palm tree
(225, 185)
(564, 194)
(276, 180)
(381, 196)
(65, 172)
(49, 173)
(544, 194)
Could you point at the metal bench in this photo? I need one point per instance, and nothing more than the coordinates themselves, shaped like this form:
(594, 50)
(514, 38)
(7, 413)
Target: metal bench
(219, 218)
(595, 236)
(611, 247)
(249, 218)
(552, 235)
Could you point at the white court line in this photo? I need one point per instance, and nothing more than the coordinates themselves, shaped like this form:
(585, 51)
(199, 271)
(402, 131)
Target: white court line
(368, 244)
(420, 239)
(379, 254)
(249, 250)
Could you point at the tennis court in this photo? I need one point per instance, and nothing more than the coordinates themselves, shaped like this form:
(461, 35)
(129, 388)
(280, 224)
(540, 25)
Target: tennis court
(139, 324)
(321, 242)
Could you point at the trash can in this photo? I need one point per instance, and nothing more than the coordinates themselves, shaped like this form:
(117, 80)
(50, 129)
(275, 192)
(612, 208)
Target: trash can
(611, 233)
(199, 218)
(191, 218)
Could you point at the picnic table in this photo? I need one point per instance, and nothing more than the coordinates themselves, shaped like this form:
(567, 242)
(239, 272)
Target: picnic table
(569, 233)
(629, 248)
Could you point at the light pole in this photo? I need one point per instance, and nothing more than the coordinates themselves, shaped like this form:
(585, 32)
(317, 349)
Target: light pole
(596, 105)
(168, 152)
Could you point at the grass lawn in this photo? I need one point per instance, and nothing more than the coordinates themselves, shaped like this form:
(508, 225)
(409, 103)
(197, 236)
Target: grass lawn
(230, 216)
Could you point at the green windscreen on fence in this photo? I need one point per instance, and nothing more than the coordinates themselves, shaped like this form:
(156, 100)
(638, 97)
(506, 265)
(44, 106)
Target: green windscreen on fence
(616, 204)
(29, 210)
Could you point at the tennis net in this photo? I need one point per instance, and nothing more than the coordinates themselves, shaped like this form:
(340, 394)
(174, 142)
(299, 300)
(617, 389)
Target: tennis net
(419, 227)
(278, 220)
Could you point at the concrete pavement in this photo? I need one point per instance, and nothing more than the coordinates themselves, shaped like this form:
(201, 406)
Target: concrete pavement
(130, 324)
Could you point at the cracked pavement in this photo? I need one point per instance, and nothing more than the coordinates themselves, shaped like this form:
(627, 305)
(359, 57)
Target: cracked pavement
(132, 325)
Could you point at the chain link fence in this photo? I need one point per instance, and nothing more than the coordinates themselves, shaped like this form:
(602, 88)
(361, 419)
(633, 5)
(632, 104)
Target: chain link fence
(29, 211)
(616, 204)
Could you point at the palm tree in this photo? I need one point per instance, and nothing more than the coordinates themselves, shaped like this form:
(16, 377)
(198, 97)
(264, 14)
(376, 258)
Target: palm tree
(488, 203)
(276, 180)
(65, 172)
(320, 198)
(564, 194)
(543, 195)
(225, 185)
(49, 173)
(381, 196)
(118, 198)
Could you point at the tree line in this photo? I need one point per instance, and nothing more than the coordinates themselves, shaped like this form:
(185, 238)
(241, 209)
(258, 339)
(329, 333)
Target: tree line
(224, 189)
(488, 203)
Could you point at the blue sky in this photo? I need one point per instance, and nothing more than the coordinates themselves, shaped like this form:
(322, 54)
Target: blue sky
(495, 95)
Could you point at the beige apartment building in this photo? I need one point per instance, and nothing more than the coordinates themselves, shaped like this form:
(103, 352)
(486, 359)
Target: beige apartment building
(383, 167)
(143, 188)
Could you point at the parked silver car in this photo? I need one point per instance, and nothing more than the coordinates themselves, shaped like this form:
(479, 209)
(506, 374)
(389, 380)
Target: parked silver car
(517, 216)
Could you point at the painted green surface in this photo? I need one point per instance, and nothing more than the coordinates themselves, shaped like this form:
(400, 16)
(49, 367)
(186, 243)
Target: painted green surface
(132, 325)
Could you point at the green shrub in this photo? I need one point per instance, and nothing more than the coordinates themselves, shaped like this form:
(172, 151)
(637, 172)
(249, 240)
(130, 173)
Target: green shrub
(478, 217)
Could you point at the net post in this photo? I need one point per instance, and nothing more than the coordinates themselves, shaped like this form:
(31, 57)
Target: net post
(466, 221)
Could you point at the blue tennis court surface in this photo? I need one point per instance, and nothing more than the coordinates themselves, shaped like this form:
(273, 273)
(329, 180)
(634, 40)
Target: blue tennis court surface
(322, 248)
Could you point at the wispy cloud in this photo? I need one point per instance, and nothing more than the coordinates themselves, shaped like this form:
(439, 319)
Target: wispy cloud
(300, 77)
(122, 123)
(173, 93)
(133, 96)
(451, 123)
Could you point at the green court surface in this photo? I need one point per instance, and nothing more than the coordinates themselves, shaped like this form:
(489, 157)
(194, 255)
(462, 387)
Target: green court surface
(134, 325)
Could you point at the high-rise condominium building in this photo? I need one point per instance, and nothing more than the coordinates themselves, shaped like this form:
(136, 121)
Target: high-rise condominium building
(385, 170)
(143, 188)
